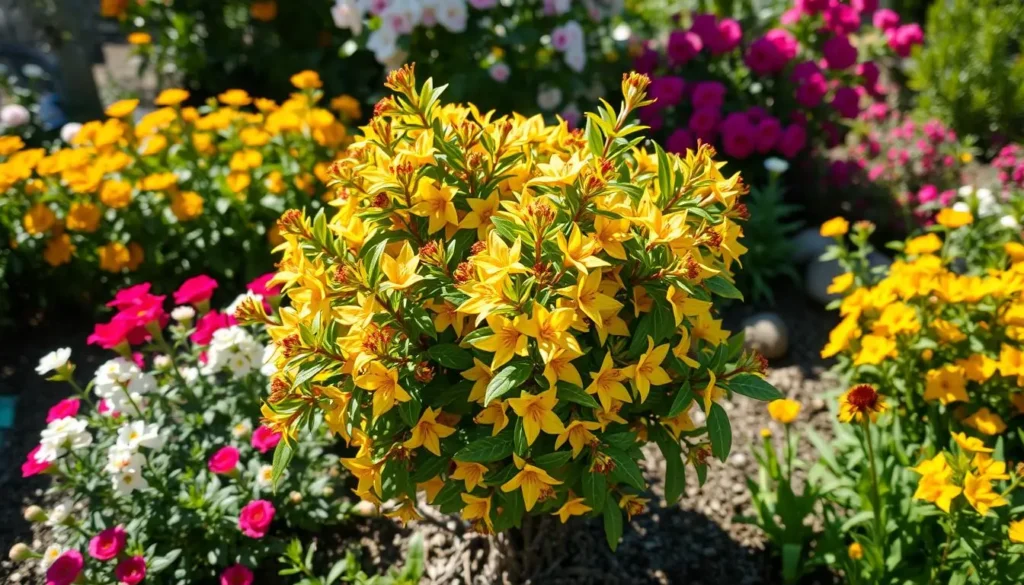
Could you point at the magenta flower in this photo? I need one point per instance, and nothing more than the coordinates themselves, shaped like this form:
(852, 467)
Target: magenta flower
(793, 140)
(704, 121)
(737, 136)
(32, 466)
(255, 518)
(839, 53)
(210, 323)
(730, 33)
(683, 46)
(264, 439)
(667, 90)
(679, 141)
(131, 570)
(223, 461)
(108, 543)
(63, 409)
(708, 94)
(767, 134)
(65, 569)
(236, 575)
(846, 102)
(885, 19)
(195, 290)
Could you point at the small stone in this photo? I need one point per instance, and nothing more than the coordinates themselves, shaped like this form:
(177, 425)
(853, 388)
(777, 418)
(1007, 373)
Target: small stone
(809, 244)
(738, 459)
(766, 333)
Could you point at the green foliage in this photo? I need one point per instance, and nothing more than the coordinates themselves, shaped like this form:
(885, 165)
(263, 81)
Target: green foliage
(347, 570)
(767, 236)
(970, 73)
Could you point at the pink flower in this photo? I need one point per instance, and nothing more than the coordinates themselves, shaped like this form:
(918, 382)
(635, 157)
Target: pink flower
(839, 53)
(679, 141)
(784, 41)
(113, 334)
(236, 575)
(683, 46)
(839, 173)
(667, 90)
(947, 197)
(928, 193)
(842, 19)
(32, 466)
(705, 26)
(255, 518)
(210, 323)
(846, 102)
(730, 33)
(65, 569)
(224, 461)
(903, 39)
(108, 543)
(811, 85)
(131, 570)
(864, 6)
(708, 94)
(704, 121)
(767, 134)
(195, 290)
(877, 111)
(738, 136)
(811, 6)
(885, 19)
(63, 409)
(105, 408)
(127, 297)
(646, 61)
(264, 439)
(793, 140)
(868, 71)
(764, 58)
(651, 117)
(144, 310)
(791, 16)
(499, 72)
(876, 172)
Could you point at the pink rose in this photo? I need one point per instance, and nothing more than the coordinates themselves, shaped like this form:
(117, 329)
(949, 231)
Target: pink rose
(868, 71)
(195, 290)
(737, 136)
(811, 6)
(223, 461)
(811, 85)
(65, 569)
(928, 193)
(767, 134)
(131, 570)
(704, 121)
(864, 6)
(793, 140)
(842, 19)
(236, 575)
(679, 141)
(705, 26)
(791, 17)
(683, 46)
(144, 310)
(667, 90)
(846, 102)
(764, 58)
(33, 466)
(784, 41)
(208, 324)
(254, 519)
(903, 39)
(839, 53)
(885, 19)
(730, 33)
(708, 94)
(113, 334)
(108, 543)
(264, 439)
(63, 409)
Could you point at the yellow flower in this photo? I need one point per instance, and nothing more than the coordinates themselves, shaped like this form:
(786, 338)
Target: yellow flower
(493, 414)
(537, 414)
(550, 329)
(572, 507)
(478, 510)
(122, 108)
(934, 485)
(685, 306)
(607, 383)
(265, 11)
(534, 482)
(10, 144)
(58, 250)
(235, 97)
(506, 340)
(839, 285)
(1016, 532)
(980, 495)
(970, 444)
(471, 473)
(560, 368)
(38, 219)
(481, 376)
(835, 227)
(986, 422)
(648, 371)
(783, 410)
(855, 551)
(874, 349)
(428, 432)
(83, 217)
(499, 259)
(159, 182)
(139, 38)
(1015, 251)
(578, 434)
(953, 219)
(116, 194)
(186, 205)
(171, 97)
(589, 299)
(679, 423)
(400, 271)
(383, 382)
(947, 331)
(861, 403)
(480, 216)
(434, 201)
(347, 106)
(840, 337)
(238, 181)
(926, 244)
(633, 505)
(578, 251)
(946, 384)
(114, 257)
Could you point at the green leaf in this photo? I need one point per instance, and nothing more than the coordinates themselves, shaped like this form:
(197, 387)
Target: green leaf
(412, 572)
(409, 411)
(595, 490)
(664, 176)
(613, 525)
(282, 456)
(754, 387)
(626, 469)
(427, 466)
(519, 442)
(372, 262)
(419, 320)
(487, 449)
(682, 400)
(573, 393)
(507, 379)
(719, 431)
(723, 288)
(451, 356)
(553, 460)
(594, 138)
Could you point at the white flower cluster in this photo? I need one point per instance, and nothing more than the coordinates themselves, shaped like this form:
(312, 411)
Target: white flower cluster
(988, 203)
(401, 17)
(53, 361)
(60, 436)
(124, 459)
(235, 350)
(123, 385)
(570, 40)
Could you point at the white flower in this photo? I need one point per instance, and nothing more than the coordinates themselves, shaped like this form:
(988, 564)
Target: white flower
(121, 458)
(128, 481)
(137, 434)
(53, 361)
(51, 554)
(233, 349)
(483, 4)
(452, 15)
(774, 164)
(60, 436)
(961, 206)
(348, 14)
(557, 6)
(269, 368)
(183, 313)
(57, 515)
(549, 98)
(242, 429)
(265, 476)
(69, 131)
(965, 191)
(383, 43)
(14, 115)
(576, 60)
(162, 362)
(500, 72)
(988, 205)
(402, 16)
(1009, 222)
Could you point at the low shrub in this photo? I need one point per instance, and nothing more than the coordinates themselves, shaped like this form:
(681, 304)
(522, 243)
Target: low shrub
(161, 469)
(471, 315)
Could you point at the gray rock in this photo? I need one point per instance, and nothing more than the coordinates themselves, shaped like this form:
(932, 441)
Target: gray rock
(809, 244)
(819, 275)
(766, 333)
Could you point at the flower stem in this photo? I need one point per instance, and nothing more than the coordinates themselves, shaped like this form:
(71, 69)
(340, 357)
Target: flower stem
(875, 494)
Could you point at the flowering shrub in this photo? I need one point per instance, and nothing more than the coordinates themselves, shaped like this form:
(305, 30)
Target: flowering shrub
(181, 189)
(754, 93)
(470, 316)
(551, 55)
(160, 465)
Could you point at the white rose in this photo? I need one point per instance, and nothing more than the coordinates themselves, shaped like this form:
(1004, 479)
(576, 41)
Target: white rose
(69, 131)
(14, 115)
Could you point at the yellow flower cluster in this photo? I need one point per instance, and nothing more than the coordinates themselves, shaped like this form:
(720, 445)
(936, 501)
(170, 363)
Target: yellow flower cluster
(182, 179)
(501, 312)
(952, 336)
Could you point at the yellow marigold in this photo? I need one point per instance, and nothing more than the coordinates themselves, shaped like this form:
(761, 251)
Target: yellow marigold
(121, 108)
(274, 182)
(1016, 532)
(171, 97)
(251, 136)
(159, 182)
(245, 160)
(1015, 251)
(263, 10)
(203, 143)
(38, 219)
(946, 384)
(186, 205)
(58, 250)
(238, 181)
(347, 106)
(855, 551)
(265, 105)
(784, 411)
(926, 244)
(139, 38)
(840, 283)
(10, 144)
(953, 219)
(986, 422)
(948, 332)
(83, 217)
(861, 403)
(840, 337)
(153, 145)
(116, 194)
(978, 367)
(235, 97)
(114, 257)
(835, 227)
(874, 349)
(307, 79)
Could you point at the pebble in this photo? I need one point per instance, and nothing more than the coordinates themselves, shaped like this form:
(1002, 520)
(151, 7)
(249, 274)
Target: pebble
(809, 244)
(767, 334)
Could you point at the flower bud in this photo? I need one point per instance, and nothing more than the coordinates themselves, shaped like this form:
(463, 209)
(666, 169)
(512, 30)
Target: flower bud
(35, 514)
(295, 497)
(328, 492)
(20, 552)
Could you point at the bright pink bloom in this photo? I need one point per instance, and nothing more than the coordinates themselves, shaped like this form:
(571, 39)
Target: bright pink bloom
(756, 113)
(704, 121)
(255, 518)
(131, 570)
(730, 33)
(236, 575)
(195, 290)
(784, 41)
(738, 136)
(846, 102)
(127, 297)
(223, 461)
(264, 439)
(767, 134)
(811, 85)
(32, 466)
(104, 407)
(839, 53)
(885, 19)
(793, 140)
(144, 310)
(647, 60)
(877, 111)
(864, 6)
(708, 94)
(903, 39)
(791, 16)
(667, 90)
(63, 409)
(683, 46)
(811, 6)
(108, 543)
(705, 26)
(259, 286)
(208, 324)
(764, 58)
(65, 569)
(651, 117)
(842, 19)
(928, 193)
(868, 71)
(679, 141)
(113, 334)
